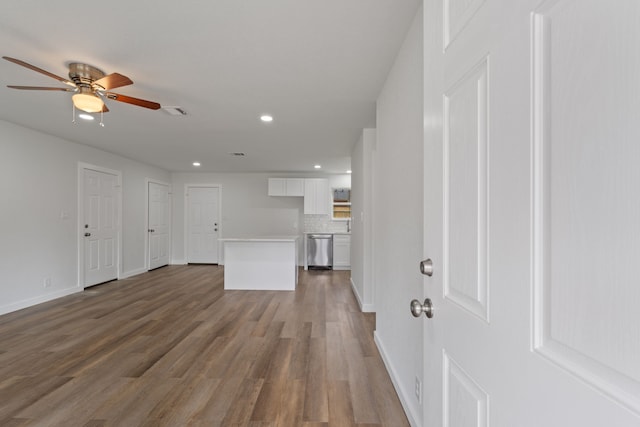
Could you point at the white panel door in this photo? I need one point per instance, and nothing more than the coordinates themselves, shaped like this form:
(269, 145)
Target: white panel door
(100, 227)
(531, 213)
(159, 225)
(203, 224)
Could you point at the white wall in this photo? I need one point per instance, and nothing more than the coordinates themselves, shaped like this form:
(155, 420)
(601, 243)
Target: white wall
(361, 212)
(339, 181)
(247, 209)
(38, 183)
(398, 218)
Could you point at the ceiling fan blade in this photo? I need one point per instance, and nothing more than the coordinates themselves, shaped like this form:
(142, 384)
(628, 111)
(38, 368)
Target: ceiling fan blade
(40, 70)
(134, 101)
(63, 89)
(113, 81)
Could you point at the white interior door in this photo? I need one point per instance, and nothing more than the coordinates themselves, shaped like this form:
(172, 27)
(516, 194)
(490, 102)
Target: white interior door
(159, 225)
(203, 224)
(531, 213)
(100, 227)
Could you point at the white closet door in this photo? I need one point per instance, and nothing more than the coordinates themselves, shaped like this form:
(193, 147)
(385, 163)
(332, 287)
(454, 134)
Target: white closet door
(159, 225)
(100, 227)
(203, 224)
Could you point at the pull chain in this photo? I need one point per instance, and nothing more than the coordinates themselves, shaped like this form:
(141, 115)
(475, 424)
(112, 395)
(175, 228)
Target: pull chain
(73, 112)
(101, 118)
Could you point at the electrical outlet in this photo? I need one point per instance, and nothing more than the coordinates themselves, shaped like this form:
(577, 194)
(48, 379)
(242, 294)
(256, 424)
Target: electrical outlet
(418, 390)
(47, 282)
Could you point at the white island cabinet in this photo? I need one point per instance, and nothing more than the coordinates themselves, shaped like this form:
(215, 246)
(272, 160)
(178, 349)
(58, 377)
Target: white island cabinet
(261, 263)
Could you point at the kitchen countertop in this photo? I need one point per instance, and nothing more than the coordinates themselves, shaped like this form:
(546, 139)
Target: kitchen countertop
(327, 232)
(260, 239)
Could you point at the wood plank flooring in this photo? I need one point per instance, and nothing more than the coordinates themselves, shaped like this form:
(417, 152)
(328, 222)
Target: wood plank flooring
(172, 348)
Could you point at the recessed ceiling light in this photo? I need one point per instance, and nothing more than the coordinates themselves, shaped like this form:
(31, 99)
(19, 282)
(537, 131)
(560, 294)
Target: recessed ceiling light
(84, 116)
(266, 118)
(317, 166)
(349, 171)
(196, 164)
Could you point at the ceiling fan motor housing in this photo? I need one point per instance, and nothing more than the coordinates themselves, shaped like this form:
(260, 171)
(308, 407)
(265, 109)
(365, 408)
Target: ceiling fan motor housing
(84, 75)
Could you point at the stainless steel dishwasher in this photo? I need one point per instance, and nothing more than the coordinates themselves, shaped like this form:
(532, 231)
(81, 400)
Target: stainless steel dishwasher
(320, 251)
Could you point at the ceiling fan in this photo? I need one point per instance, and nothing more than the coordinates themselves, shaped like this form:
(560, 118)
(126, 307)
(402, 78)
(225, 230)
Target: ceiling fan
(90, 85)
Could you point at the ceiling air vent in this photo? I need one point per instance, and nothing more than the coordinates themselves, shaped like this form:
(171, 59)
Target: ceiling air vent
(175, 111)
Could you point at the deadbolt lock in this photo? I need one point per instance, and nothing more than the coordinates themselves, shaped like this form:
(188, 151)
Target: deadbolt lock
(426, 267)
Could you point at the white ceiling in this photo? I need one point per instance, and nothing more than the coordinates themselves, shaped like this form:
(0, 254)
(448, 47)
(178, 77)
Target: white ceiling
(317, 66)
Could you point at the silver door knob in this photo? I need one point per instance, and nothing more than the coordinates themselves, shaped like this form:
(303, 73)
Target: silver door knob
(426, 267)
(417, 308)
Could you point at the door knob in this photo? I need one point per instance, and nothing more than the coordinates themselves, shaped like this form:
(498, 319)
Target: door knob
(87, 234)
(426, 267)
(417, 309)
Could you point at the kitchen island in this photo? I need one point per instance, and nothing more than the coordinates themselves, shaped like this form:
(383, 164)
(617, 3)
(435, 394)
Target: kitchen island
(261, 263)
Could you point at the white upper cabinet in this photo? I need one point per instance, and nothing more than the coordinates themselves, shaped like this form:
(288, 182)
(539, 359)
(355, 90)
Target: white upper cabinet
(316, 196)
(286, 187)
(295, 187)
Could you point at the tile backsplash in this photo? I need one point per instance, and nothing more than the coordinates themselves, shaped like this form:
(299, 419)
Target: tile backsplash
(322, 223)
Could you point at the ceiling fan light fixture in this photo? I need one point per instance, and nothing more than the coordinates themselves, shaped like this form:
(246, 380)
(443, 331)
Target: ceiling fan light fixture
(87, 101)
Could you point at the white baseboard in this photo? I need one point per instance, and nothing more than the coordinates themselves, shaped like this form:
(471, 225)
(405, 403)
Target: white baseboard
(19, 305)
(404, 399)
(368, 308)
(365, 308)
(355, 292)
(184, 262)
(135, 272)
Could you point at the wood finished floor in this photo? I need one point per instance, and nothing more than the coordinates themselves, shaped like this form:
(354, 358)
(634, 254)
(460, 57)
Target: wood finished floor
(172, 348)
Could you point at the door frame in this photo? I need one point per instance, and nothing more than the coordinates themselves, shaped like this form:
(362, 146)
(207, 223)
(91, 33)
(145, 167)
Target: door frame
(82, 166)
(147, 261)
(187, 187)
